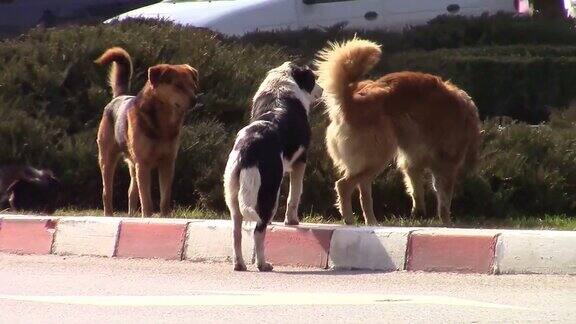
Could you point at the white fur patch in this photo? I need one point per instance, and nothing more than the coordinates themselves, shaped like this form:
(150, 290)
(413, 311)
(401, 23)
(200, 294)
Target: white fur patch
(231, 185)
(287, 164)
(248, 193)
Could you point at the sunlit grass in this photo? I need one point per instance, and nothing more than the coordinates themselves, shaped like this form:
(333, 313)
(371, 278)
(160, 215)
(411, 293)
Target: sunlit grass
(557, 222)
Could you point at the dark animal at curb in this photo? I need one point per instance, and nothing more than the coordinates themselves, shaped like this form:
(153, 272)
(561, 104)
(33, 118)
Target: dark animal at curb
(24, 188)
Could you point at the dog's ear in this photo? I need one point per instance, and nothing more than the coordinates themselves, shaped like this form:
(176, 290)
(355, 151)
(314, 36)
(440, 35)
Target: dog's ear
(157, 73)
(194, 74)
(304, 77)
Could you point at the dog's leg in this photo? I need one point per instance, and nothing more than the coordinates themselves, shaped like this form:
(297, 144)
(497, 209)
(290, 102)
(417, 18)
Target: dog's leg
(365, 188)
(444, 186)
(296, 183)
(344, 189)
(143, 176)
(259, 237)
(414, 180)
(108, 154)
(133, 195)
(166, 175)
(238, 261)
(108, 162)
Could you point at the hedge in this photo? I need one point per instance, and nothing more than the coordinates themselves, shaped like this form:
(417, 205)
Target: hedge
(520, 81)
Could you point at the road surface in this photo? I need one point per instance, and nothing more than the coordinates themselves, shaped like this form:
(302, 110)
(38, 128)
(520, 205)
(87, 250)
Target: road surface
(56, 289)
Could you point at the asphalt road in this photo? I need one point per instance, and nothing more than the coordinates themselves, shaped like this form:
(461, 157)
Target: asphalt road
(55, 289)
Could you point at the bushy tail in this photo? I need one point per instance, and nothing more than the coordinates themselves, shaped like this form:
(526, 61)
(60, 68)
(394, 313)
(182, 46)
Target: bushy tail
(340, 64)
(121, 70)
(249, 180)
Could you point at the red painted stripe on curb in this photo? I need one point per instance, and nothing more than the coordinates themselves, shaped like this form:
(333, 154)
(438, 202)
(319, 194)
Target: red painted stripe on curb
(151, 240)
(298, 246)
(27, 236)
(451, 253)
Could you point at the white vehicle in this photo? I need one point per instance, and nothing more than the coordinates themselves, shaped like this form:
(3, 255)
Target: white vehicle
(237, 17)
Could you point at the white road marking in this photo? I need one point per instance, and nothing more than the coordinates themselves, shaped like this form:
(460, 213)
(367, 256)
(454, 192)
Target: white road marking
(255, 298)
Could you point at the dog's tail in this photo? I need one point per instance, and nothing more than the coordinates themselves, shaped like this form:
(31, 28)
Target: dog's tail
(241, 186)
(121, 70)
(248, 193)
(340, 64)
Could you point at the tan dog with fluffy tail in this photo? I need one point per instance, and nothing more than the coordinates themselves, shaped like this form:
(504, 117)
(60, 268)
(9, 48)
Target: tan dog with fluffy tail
(426, 123)
(145, 128)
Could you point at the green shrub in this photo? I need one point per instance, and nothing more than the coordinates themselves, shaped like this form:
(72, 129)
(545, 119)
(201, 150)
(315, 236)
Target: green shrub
(519, 81)
(512, 66)
(52, 96)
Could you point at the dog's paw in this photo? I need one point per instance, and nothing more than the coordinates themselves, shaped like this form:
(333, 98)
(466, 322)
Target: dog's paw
(240, 267)
(291, 222)
(349, 221)
(265, 267)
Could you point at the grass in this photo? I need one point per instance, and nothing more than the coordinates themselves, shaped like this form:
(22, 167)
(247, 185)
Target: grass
(544, 222)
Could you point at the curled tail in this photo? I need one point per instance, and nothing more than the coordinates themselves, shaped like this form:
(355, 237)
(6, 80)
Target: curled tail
(249, 180)
(340, 64)
(121, 70)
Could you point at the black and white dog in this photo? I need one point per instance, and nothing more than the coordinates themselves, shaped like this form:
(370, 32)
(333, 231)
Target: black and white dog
(275, 142)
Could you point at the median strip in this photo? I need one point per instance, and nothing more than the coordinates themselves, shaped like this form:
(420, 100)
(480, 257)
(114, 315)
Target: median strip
(305, 245)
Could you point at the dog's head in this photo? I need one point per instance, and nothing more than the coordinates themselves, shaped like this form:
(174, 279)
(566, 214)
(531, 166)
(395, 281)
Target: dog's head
(177, 85)
(305, 79)
(36, 191)
(299, 79)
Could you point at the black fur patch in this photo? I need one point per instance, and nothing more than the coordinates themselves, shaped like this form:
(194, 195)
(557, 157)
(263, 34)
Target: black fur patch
(278, 133)
(304, 77)
(28, 189)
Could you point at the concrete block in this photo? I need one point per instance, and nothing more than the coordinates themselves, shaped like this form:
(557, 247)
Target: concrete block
(86, 236)
(211, 240)
(442, 250)
(27, 235)
(144, 239)
(546, 252)
(298, 245)
(369, 248)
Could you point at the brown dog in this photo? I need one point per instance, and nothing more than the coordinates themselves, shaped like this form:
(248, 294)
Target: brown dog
(425, 123)
(144, 128)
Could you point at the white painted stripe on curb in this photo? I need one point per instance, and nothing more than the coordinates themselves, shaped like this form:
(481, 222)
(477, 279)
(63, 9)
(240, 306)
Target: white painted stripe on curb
(86, 236)
(369, 248)
(545, 252)
(211, 240)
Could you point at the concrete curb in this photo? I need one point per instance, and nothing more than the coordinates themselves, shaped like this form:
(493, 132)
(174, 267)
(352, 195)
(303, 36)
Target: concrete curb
(550, 252)
(95, 236)
(369, 248)
(452, 250)
(211, 241)
(310, 245)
